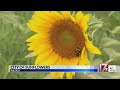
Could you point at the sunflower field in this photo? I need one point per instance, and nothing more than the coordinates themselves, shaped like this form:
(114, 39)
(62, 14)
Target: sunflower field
(103, 31)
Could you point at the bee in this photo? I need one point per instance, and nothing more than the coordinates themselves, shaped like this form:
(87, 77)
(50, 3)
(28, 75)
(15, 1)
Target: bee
(77, 52)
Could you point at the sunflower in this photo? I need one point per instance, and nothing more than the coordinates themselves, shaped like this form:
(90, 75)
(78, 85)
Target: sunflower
(60, 39)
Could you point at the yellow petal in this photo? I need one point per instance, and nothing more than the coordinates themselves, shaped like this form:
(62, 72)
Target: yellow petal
(37, 26)
(46, 15)
(40, 51)
(73, 73)
(37, 37)
(36, 42)
(38, 22)
(69, 75)
(50, 60)
(36, 46)
(61, 74)
(81, 62)
(66, 14)
(39, 46)
(57, 14)
(74, 61)
(90, 46)
(84, 23)
(32, 38)
(79, 17)
(65, 61)
(54, 75)
(84, 57)
(43, 16)
(42, 12)
(59, 62)
(43, 57)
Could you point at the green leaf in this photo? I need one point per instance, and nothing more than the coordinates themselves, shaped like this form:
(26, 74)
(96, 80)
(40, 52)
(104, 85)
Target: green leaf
(73, 13)
(109, 51)
(116, 30)
(97, 61)
(29, 55)
(112, 54)
(99, 25)
(111, 13)
(100, 75)
(9, 17)
(106, 42)
(88, 76)
(94, 20)
(36, 75)
(115, 75)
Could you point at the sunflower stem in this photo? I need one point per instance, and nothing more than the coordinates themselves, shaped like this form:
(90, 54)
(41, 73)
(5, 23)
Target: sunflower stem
(109, 61)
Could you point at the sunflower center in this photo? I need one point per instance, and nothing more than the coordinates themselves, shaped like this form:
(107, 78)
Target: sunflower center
(66, 38)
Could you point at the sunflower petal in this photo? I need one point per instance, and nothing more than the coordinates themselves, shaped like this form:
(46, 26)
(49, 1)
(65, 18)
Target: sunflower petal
(57, 14)
(69, 75)
(42, 57)
(37, 25)
(52, 74)
(38, 48)
(61, 74)
(90, 46)
(65, 61)
(84, 57)
(32, 38)
(66, 14)
(55, 75)
(37, 37)
(46, 15)
(81, 61)
(58, 62)
(79, 18)
(73, 73)
(85, 22)
(51, 60)
(38, 44)
(74, 61)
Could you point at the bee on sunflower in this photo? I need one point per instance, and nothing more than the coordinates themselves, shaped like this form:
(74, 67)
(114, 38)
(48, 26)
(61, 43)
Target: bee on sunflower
(60, 39)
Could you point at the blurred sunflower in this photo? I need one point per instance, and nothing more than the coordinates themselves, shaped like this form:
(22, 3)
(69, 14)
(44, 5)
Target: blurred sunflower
(61, 39)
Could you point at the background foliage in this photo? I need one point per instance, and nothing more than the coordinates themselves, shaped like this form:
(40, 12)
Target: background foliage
(104, 31)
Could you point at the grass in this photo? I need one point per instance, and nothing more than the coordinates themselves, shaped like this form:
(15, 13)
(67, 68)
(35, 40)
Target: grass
(14, 32)
(13, 47)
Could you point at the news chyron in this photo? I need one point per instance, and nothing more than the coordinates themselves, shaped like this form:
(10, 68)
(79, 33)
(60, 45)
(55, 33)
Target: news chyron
(102, 67)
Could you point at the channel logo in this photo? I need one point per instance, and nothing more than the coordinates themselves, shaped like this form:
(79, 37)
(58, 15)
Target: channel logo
(103, 67)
